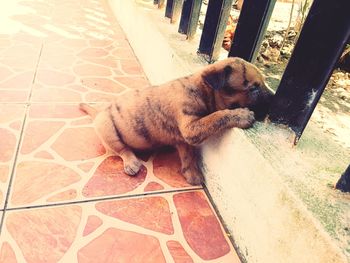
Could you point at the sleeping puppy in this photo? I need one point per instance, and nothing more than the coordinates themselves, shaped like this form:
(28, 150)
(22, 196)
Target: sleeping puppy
(183, 113)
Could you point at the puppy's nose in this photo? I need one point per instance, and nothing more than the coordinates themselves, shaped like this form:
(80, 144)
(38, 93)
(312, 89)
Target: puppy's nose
(254, 91)
(254, 88)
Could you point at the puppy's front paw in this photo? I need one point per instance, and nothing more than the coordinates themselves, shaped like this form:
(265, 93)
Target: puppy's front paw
(245, 118)
(193, 178)
(132, 167)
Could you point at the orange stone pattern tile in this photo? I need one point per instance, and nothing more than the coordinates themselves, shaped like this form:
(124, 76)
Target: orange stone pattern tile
(64, 197)
(11, 118)
(62, 159)
(162, 228)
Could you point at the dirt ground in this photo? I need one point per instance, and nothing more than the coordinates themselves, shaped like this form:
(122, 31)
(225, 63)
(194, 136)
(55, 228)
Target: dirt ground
(332, 114)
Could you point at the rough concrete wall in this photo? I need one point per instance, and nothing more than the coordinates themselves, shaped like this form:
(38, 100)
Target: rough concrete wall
(268, 223)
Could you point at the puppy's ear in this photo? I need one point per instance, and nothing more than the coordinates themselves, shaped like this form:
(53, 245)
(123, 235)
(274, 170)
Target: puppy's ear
(216, 79)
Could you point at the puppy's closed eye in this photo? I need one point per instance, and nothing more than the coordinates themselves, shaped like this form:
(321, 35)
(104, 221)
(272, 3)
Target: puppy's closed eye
(234, 106)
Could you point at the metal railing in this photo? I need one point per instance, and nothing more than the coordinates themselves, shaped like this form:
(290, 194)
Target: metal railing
(321, 41)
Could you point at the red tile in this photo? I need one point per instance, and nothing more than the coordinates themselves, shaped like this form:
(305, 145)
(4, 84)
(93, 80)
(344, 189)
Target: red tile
(53, 77)
(77, 88)
(28, 38)
(123, 53)
(93, 52)
(178, 252)
(116, 245)
(63, 196)
(4, 172)
(71, 144)
(45, 94)
(7, 145)
(75, 43)
(7, 255)
(81, 122)
(110, 179)
(37, 133)
(52, 229)
(99, 97)
(167, 167)
(151, 212)
(9, 113)
(44, 155)
(18, 81)
(108, 61)
(131, 66)
(55, 111)
(133, 82)
(153, 186)
(86, 167)
(200, 226)
(92, 224)
(16, 125)
(20, 50)
(13, 95)
(102, 84)
(16, 63)
(34, 180)
(57, 61)
(100, 42)
(92, 70)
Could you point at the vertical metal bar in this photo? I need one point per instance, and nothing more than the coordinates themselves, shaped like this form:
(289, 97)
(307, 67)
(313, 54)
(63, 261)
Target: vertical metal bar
(251, 27)
(320, 44)
(344, 182)
(189, 17)
(214, 28)
(173, 10)
(169, 8)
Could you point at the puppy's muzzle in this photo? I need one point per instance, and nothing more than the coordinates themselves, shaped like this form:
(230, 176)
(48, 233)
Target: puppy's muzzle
(260, 101)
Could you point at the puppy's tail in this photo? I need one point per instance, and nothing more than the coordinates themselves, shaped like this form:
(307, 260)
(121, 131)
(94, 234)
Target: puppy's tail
(88, 109)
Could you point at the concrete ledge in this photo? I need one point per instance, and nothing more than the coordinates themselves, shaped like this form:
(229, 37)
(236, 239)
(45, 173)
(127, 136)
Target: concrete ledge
(268, 222)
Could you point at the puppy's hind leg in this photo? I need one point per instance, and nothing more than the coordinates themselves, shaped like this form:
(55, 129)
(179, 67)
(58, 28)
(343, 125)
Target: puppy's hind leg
(109, 134)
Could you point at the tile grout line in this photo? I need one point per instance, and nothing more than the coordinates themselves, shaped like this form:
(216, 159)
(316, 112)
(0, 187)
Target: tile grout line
(227, 232)
(35, 73)
(13, 168)
(155, 193)
(20, 140)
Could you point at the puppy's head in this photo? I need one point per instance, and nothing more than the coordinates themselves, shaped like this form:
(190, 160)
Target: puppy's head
(238, 84)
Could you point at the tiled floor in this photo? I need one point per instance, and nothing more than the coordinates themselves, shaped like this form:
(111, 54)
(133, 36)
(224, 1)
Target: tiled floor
(63, 196)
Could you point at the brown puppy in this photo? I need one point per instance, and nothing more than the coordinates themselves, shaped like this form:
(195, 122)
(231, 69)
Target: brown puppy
(183, 113)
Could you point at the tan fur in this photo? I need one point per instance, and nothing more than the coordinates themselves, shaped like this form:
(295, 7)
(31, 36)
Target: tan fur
(183, 113)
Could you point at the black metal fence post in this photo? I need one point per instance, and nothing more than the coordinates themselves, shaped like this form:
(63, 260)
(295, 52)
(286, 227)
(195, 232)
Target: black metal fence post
(251, 28)
(214, 28)
(344, 182)
(173, 9)
(320, 44)
(189, 17)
